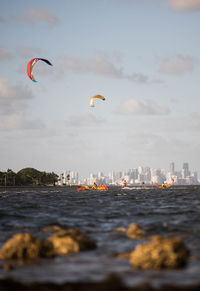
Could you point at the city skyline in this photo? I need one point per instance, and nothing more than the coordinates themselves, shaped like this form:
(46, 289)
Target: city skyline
(142, 56)
(135, 175)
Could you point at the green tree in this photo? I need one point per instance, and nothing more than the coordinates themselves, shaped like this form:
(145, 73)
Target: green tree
(31, 176)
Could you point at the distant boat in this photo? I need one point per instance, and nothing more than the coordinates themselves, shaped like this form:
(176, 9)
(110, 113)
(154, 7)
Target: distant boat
(102, 187)
(164, 185)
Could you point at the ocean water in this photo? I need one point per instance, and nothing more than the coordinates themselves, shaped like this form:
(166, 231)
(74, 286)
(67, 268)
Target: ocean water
(171, 212)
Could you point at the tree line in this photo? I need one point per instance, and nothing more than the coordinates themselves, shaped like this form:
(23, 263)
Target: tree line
(27, 177)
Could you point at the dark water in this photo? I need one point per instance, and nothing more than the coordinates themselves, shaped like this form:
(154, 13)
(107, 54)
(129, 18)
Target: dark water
(97, 214)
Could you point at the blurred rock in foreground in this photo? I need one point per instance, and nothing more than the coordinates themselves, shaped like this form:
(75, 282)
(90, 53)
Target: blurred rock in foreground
(23, 246)
(134, 231)
(70, 241)
(161, 253)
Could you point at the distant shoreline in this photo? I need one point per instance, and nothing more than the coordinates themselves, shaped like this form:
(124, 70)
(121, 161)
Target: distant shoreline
(132, 187)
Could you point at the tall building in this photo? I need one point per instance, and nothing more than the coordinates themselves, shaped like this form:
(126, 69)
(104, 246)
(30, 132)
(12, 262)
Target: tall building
(185, 170)
(140, 170)
(111, 177)
(67, 178)
(118, 175)
(100, 175)
(147, 174)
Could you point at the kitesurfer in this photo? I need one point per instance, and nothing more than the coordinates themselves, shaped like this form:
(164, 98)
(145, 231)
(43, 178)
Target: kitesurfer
(94, 186)
(124, 183)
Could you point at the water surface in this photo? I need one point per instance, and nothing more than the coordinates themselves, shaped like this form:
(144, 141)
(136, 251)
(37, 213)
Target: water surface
(97, 214)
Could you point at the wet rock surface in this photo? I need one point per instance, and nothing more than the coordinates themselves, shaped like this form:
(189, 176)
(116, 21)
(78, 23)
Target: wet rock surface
(160, 253)
(24, 246)
(134, 231)
(70, 241)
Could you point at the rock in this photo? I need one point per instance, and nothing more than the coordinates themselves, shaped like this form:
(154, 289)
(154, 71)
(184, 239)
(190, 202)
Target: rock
(70, 241)
(135, 231)
(51, 228)
(23, 246)
(161, 253)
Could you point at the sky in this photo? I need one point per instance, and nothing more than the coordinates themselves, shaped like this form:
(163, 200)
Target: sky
(143, 56)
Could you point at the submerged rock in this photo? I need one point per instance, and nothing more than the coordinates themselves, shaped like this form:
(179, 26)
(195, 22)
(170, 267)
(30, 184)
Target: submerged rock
(161, 253)
(135, 231)
(70, 241)
(24, 246)
(51, 228)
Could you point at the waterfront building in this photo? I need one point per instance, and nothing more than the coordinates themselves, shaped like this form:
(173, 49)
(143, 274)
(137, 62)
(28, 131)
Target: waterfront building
(134, 176)
(140, 170)
(68, 178)
(100, 175)
(147, 175)
(111, 177)
(185, 170)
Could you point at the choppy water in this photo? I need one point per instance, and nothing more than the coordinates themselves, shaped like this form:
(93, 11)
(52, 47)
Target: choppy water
(97, 214)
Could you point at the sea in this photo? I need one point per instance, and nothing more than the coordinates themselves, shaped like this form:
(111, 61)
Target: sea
(99, 214)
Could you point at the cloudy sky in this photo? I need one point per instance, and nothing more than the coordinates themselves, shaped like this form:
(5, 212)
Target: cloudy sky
(143, 56)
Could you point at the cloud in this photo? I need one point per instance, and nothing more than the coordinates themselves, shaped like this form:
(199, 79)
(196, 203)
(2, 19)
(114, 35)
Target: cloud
(174, 124)
(100, 65)
(13, 105)
(13, 98)
(138, 78)
(28, 52)
(184, 5)
(176, 5)
(4, 54)
(2, 20)
(19, 121)
(84, 119)
(178, 65)
(33, 15)
(150, 142)
(135, 107)
(154, 145)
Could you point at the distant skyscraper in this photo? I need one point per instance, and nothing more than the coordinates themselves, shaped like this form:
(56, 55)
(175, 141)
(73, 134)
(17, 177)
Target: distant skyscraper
(118, 175)
(172, 168)
(185, 170)
(140, 169)
(92, 176)
(100, 175)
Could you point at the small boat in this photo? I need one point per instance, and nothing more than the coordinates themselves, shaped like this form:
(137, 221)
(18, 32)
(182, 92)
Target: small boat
(164, 185)
(101, 187)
